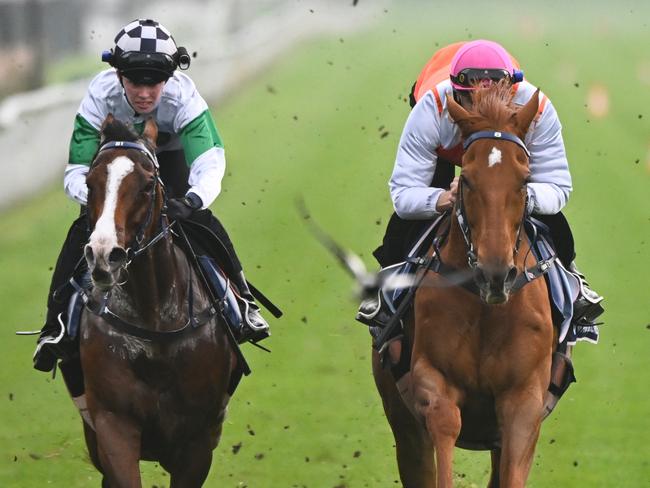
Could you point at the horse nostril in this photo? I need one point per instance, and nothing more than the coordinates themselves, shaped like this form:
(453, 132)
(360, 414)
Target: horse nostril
(117, 257)
(479, 276)
(512, 274)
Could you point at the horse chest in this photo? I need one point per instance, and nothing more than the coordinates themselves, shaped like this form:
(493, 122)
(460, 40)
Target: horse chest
(476, 351)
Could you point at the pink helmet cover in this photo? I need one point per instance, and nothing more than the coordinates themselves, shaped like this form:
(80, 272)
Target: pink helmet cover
(481, 54)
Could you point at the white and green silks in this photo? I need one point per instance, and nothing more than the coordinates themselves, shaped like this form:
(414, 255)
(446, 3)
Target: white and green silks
(184, 122)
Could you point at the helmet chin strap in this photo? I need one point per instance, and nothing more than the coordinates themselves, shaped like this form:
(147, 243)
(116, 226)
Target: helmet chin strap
(120, 77)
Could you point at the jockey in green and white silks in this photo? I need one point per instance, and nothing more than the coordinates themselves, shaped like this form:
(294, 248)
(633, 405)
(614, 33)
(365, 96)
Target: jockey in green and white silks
(144, 83)
(184, 122)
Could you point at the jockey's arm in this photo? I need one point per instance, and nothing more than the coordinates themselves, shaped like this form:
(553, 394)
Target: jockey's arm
(85, 136)
(205, 155)
(83, 146)
(550, 181)
(415, 163)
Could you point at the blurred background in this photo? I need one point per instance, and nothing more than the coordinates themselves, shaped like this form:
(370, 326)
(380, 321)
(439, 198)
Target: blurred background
(310, 98)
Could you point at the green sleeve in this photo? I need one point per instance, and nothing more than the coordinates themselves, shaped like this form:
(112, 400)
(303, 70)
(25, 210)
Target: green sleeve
(84, 142)
(198, 136)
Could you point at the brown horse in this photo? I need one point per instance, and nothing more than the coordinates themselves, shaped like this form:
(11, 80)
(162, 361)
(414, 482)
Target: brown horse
(481, 362)
(156, 359)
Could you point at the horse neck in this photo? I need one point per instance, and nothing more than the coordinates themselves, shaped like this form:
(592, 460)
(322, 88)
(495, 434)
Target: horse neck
(157, 283)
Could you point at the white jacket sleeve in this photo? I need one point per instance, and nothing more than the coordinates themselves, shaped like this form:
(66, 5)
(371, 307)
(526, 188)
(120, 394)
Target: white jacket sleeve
(415, 163)
(550, 180)
(74, 182)
(206, 174)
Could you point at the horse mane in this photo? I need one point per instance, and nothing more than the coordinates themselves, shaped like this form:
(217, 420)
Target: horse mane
(492, 107)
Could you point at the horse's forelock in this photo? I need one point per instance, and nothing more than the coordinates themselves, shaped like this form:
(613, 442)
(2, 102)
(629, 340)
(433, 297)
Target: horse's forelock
(118, 131)
(492, 106)
(115, 130)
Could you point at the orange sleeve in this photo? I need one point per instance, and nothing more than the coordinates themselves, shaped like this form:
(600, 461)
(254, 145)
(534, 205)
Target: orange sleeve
(436, 70)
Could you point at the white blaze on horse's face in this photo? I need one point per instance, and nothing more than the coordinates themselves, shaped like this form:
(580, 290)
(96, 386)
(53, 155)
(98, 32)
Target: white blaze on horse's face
(494, 157)
(104, 237)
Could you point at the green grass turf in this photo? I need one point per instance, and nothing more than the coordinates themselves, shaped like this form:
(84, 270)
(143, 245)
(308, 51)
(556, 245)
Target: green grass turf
(312, 125)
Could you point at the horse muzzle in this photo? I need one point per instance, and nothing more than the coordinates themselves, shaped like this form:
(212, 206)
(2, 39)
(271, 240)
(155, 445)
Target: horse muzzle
(105, 265)
(495, 282)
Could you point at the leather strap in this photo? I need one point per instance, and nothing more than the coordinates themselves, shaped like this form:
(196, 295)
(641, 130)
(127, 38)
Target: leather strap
(100, 309)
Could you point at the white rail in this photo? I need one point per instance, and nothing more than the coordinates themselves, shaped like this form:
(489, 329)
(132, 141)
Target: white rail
(35, 127)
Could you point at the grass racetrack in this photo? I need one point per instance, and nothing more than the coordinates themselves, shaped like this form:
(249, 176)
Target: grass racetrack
(324, 123)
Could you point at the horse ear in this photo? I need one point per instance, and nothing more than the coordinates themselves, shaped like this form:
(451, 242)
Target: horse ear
(459, 115)
(526, 114)
(150, 131)
(107, 121)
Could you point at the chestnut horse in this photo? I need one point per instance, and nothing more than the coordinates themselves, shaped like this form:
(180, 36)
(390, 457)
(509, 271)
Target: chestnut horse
(155, 355)
(480, 362)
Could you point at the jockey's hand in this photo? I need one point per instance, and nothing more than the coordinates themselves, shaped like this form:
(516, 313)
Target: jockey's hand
(447, 198)
(183, 208)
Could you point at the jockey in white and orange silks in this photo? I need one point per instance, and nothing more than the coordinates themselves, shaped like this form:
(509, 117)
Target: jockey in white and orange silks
(430, 132)
(423, 186)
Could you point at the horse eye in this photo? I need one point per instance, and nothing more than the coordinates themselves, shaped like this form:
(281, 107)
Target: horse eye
(148, 187)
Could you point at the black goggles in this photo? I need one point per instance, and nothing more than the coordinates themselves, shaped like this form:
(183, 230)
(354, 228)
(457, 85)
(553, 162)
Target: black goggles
(473, 77)
(146, 61)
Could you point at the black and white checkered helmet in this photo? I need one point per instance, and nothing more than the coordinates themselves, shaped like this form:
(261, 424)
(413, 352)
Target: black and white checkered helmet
(146, 36)
(146, 53)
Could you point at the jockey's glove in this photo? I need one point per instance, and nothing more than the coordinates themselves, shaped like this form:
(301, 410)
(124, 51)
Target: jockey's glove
(183, 208)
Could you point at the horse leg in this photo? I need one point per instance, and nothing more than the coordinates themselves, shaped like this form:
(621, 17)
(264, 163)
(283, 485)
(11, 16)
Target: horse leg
(91, 445)
(520, 417)
(495, 455)
(191, 465)
(436, 403)
(414, 449)
(118, 449)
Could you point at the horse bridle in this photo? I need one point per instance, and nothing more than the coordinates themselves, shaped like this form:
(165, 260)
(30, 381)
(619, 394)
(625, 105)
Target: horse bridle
(134, 251)
(461, 216)
(100, 307)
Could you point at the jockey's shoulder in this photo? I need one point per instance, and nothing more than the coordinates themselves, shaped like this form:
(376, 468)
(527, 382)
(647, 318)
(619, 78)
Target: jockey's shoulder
(435, 99)
(179, 88)
(525, 90)
(105, 83)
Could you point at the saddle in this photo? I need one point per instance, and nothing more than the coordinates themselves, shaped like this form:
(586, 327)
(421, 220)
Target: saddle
(206, 243)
